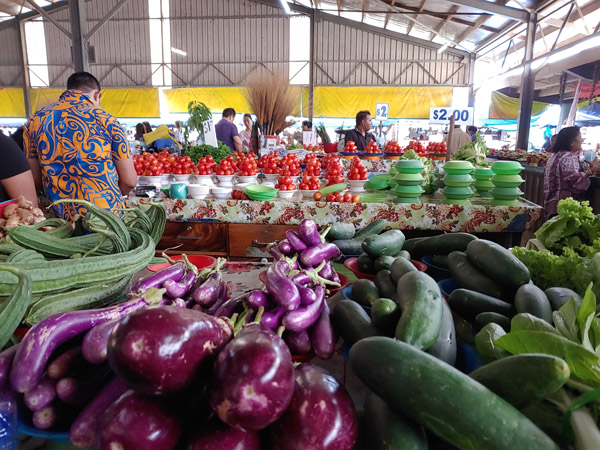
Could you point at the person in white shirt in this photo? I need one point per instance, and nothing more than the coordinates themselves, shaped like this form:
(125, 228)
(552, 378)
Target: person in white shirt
(459, 138)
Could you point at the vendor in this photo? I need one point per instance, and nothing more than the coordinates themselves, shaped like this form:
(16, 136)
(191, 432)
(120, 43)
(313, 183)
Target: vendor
(459, 138)
(15, 176)
(306, 125)
(246, 133)
(360, 135)
(227, 132)
(472, 132)
(564, 175)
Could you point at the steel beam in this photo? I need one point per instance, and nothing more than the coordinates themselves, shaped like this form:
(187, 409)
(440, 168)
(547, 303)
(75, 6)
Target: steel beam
(78, 43)
(311, 68)
(494, 8)
(527, 86)
(105, 19)
(48, 17)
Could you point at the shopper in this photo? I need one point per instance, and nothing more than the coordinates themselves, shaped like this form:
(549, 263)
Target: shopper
(564, 175)
(227, 132)
(459, 138)
(140, 130)
(246, 133)
(360, 135)
(472, 131)
(147, 127)
(306, 125)
(77, 150)
(178, 132)
(15, 176)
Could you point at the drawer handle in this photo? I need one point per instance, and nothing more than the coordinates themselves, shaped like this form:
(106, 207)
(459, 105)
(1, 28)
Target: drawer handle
(189, 238)
(257, 244)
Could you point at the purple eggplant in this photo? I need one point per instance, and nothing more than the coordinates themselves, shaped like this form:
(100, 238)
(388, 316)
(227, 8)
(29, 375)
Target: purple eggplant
(207, 293)
(302, 318)
(136, 421)
(179, 302)
(301, 279)
(285, 248)
(320, 416)
(327, 271)
(272, 318)
(223, 294)
(276, 253)
(231, 306)
(323, 336)
(256, 299)
(166, 301)
(282, 290)
(219, 436)
(161, 349)
(314, 256)
(45, 418)
(178, 289)
(94, 347)
(252, 381)
(307, 295)
(83, 431)
(40, 396)
(298, 341)
(44, 337)
(309, 233)
(64, 363)
(297, 244)
(6, 360)
(74, 392)
(156, 280)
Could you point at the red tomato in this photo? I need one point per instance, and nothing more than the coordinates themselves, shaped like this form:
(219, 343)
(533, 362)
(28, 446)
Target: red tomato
(356, 198)
(317, 196)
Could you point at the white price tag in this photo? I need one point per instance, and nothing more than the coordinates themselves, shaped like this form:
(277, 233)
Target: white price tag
(382, 111)
(441, 115)
(210, 135)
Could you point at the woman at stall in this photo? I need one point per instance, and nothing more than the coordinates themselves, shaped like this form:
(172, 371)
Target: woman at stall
(565, 176)
(15, 175)
(246, 133)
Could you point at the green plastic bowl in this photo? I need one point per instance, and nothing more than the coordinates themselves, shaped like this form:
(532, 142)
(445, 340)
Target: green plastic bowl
(378, 182)
(457, 192)
(458, 180)
(259, 189)
(501, 193)
(408, 179)
(458, 167)
(409, 166)
(483, 173)
(373, 197)
(407, 191)
(507, 181)
(507, 168)
(483, 185)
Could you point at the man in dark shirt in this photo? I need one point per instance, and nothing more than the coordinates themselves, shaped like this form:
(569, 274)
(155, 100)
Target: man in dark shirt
(15, 175)
(227, 132)
(360, 135)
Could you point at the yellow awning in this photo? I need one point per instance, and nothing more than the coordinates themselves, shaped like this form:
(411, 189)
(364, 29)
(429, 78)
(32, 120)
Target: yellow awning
(504, 107)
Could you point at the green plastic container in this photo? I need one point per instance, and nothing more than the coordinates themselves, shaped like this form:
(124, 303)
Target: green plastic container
(507, 181)
(458, 167)
(483, 173)
(458, 180)
(409, 179)
(457, 195)
(409, 166)
(507, 168)
(501, 193)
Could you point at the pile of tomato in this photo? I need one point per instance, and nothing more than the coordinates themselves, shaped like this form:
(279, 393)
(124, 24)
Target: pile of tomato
(314, 148)
(338, 197)
(157, 164)
(206, 165)
(290, 166)
(313, 167)
(357, 171)
(227, 166)
(372, 148)
(285, 183)
(417, 147)
(270, 163)
(248, 166)
(334, 173)
(393, 147)
(350, 147)
(326, 160)
(310, 183)
(437, 147)
(239, 195)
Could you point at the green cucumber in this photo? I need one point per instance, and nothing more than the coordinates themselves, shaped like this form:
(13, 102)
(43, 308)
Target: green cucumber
(523, 379)
(411, 244)
(341, 231)
(498, 263)
(388, 430)
(443, 399)
(440, 261)
(468, 304)
(444, 348)
(531, 299)
(385, 314)
(400, 267)
(383, 262)
(375, 227)
(420, 298)
(484, 342)
(364, 292)
(442, 244)
(351, 322)
(387, 288)
(550, 420)
(349, 247)
(388, 243)
(484, 318)
(558, 296)
(365, 264)
(466, 275)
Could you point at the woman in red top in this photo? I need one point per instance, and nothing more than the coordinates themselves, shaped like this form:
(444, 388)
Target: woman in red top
(565, 175)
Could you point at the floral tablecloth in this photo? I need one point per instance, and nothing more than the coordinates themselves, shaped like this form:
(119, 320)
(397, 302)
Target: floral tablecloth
(479, 216)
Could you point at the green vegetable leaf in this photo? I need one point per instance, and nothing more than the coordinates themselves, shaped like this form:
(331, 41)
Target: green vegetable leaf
(565, 320)
(585, 315)
(528, 322)
(595, 334)
(583, 363)
(484, 342)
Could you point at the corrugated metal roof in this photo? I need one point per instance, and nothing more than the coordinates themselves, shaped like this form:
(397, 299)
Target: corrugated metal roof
(10, 57)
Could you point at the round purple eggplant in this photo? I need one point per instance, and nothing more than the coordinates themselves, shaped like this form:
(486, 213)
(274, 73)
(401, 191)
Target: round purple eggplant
(321, 414)
(253, 379)
(161, 349)
(136, 421)
(219, 436)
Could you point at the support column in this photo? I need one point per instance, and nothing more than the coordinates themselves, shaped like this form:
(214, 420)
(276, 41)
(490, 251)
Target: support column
(24, 68)
(311, 66)
(78, 42)
(527, 86)
(471, 80)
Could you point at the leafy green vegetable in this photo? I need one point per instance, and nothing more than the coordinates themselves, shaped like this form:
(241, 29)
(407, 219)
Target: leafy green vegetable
(322, 132)
(195, 152)
(430, 180)
(565, 320)
(528, 322)
(474, 152)
(485, 342)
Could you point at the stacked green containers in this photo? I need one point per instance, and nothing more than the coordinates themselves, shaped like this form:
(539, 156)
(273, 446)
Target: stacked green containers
(458, 181)
(506, 182)
(409, 180)
(483, 182)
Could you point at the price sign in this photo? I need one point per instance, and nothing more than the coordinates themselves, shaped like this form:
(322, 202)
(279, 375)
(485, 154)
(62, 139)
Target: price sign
(210, 135)
(382, 111)
(462, 116)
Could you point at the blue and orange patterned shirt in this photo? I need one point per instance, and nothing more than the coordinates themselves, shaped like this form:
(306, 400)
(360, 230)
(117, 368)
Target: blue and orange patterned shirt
(77, 144)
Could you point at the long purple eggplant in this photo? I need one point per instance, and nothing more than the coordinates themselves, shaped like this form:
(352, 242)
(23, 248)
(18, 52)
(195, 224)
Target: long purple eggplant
(323, 335)
(6, 360)
(320, 416)
(302, 318)
(314, 256)
(309, 233)
(45, 418)
(297, 244)
(94, 347)
(136, 421)
(327, 271)
(301, 279)
(178, 289)
(156, 280)
(160, 350)
(285, 248)
(231, 306)
(60, 366)
(44, 337)
(282, 290)
(298, 342)
(276, 253)
(307, 295)
(219, 436)
(252, 381)
(223, 294)
(256, 299)
(207, 293)
(272, 318)
(83, 430)
(40, 396)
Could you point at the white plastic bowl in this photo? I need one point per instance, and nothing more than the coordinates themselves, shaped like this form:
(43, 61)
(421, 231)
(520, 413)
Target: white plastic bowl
(198, 189)
(182, 177)
(357, 183)
(221, 192)
(249, 179)
(308, 193)
(225, 180)
(199, 197)
(272, 177)
(205, 179)
(286, 194)
(157, 181)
